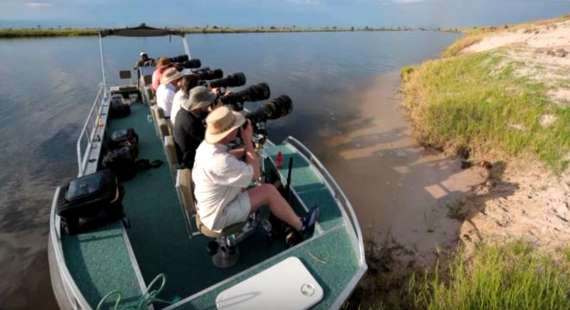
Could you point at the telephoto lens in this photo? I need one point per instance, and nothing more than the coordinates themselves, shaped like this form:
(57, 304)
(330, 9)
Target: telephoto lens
(208, 74)
(232, 80)
(273, 109)
(255, 92)
(191, 64)
(181, 58)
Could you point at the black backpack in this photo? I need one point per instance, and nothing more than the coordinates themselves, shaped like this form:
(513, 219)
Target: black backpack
(118, 109)
(125, 137)
(90, 202)
(122, 162)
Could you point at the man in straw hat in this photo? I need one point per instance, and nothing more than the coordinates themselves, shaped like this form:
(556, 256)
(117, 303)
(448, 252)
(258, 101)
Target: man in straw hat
(162, 64)
(220, 178)
(167, 89)
(189, 129)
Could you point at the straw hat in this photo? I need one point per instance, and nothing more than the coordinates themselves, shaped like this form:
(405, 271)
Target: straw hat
(171, 74)
(200, 97)
(162, 62)
(221, 122)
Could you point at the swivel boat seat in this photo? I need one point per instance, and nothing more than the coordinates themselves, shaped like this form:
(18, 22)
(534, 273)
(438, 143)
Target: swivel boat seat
(224, 248)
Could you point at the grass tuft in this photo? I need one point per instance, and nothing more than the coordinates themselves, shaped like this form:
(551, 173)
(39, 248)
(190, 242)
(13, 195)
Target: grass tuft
(511, 276)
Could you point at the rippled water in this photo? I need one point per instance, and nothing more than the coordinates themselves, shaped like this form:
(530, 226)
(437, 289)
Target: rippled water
(47, 87)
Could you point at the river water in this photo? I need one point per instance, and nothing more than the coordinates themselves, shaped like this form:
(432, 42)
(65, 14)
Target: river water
(48, 85)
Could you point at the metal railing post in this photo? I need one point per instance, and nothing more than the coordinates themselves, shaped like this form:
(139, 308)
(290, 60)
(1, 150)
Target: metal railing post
(102, 61)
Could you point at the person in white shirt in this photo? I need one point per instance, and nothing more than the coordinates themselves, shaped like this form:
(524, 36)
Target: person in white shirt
(167, 89)
(221, 178)
(186, 84)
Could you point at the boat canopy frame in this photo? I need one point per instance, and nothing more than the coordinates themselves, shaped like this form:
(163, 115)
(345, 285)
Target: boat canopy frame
(141, 31)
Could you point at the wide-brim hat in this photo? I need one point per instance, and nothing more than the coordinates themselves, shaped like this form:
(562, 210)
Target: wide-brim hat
(221, 122)
(170, 75)
(200, 97)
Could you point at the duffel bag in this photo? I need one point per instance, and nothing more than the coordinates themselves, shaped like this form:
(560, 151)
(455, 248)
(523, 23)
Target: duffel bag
(90, 202)
(122, 162)
(118, 109)
(125, 137)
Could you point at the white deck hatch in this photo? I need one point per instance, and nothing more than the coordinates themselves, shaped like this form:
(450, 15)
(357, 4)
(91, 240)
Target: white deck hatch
(286, 285)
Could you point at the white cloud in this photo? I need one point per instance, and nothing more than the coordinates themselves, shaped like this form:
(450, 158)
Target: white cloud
(38, 5)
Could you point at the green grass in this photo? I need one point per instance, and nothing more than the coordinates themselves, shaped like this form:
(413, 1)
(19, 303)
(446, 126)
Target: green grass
(12, 33)
(476, 101)
(511, 276)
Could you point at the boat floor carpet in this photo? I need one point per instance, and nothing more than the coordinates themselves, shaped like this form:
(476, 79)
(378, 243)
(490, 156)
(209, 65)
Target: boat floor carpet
(100, 263)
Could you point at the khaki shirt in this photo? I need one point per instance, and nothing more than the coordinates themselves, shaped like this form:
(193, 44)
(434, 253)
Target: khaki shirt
(219, 177)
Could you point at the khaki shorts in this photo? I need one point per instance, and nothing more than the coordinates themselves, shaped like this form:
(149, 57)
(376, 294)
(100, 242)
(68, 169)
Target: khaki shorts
(236, 211)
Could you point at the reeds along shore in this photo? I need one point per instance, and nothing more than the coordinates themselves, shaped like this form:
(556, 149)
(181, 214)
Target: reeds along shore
(13, 33)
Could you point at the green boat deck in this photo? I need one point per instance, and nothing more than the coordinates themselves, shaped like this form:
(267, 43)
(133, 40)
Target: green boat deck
(99, 260)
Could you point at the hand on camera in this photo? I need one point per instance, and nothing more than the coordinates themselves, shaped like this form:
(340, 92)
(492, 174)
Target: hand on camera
(247, 133)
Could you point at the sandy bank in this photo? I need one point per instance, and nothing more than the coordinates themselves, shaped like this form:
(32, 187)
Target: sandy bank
(523, 198)
(541, 49)
(529, 202)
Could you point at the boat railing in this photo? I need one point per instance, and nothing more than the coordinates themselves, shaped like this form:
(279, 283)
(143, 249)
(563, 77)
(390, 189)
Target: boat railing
(338, 193)
(87, 134)
(70, 288)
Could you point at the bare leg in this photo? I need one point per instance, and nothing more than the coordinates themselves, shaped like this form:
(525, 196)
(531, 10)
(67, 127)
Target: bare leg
(267, 194)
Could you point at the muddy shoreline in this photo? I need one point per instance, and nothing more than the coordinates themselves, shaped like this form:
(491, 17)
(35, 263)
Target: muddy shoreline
(400, 190)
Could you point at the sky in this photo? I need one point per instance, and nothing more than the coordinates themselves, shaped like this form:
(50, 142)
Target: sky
(375, 13)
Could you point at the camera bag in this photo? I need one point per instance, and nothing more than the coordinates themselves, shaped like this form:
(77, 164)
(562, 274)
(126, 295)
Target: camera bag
(122, 162)
(118, 109)
(90, 202)
(125, 137)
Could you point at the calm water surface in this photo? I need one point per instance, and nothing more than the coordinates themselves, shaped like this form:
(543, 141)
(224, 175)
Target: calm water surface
(48, 85)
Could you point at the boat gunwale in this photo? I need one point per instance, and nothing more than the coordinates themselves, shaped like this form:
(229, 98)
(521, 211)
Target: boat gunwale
(77, 298)
(82, 158)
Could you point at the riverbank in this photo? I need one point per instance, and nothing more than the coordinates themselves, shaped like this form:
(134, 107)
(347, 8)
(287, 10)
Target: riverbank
(15, 33)
(498, 100)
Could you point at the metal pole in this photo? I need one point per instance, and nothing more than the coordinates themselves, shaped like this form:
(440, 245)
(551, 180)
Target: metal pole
(186, 47)
(102, 61)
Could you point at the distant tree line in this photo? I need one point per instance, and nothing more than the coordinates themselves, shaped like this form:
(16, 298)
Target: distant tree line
(39, 31)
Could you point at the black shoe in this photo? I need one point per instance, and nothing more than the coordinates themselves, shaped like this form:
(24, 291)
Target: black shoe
(309, 221)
